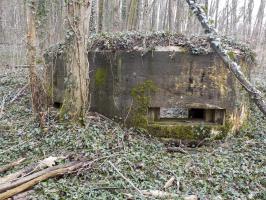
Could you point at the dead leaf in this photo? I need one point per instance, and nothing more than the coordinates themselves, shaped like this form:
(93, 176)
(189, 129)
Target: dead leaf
(50, 161)
(169, 183)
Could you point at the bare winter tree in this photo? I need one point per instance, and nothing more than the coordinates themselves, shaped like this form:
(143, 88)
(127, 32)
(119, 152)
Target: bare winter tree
(76, 94)
(259, 23)
(37, 93)
(215, 43)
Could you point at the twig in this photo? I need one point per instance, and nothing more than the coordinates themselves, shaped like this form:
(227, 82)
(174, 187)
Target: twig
(164, 195)
(170, 182)
(129, 110)
(176, 149)
(3, 106)
(159, 194)
(18, 93)
(11, 165)
(125, 178)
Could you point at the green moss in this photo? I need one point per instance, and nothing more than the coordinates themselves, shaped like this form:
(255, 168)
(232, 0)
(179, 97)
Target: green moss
(188, 131)
(231, 55)
(223, 131)
(141, 95)
(180, 131)
(100, 77)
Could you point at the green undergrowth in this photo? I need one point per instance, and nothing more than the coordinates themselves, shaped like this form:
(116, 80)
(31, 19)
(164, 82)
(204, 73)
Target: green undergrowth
(229, 169)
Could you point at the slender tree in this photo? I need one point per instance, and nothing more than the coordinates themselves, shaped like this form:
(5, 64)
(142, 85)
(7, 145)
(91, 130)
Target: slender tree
(93, 17)
(132, 15)
(37, 92)
(76, 93)
(100, 15)
(259, 23)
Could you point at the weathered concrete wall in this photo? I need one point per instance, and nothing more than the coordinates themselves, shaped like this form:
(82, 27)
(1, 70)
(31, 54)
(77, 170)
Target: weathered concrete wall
(182, 80)
(124, 85)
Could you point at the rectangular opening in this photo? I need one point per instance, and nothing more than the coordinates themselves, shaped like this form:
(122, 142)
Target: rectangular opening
(196, 113)
(189, 115)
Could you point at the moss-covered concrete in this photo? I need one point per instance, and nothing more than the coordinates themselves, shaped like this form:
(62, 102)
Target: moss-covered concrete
(188, 131)
(100, 77)
(141, 95)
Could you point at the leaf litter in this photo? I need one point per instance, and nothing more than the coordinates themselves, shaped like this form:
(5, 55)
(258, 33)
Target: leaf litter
(230, 169)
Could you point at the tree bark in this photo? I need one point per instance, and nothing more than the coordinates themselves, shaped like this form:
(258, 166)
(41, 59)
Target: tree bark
(215, 43)
(132, 15)
(37, 93)
(100, 11)
(154, 16)
(76, 92)
(93, 17)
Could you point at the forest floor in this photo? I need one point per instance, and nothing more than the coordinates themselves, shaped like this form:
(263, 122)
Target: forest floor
(230, 169)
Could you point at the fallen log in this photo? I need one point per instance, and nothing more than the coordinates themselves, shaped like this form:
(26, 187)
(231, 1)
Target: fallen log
(11, 165)
(30, 169)
(26, 183)
(6, 186)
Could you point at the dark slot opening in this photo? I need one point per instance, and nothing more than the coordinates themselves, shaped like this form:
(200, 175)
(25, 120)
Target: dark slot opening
(179, 114)
(57, 105)
(196, 113)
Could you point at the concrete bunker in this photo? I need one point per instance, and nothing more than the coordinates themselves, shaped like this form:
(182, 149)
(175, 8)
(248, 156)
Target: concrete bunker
(170, 85)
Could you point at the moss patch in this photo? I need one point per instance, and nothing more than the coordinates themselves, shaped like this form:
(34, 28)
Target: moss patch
(193, 132)
(100, 77)
(141, 95)
(232, 55)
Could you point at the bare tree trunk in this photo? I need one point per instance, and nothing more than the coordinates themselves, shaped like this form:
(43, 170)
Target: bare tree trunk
(116, 16)
(244, 20)
(132, 15)
(227, 17)
(146, 15)
(76, 93)
(93, 17)
(170, 15)
(250, 12)
(37, 93)
(154, 16)
(234, 18)
(2, 33)
(215, 43)
(259, 23)
(165, 15)
(217, 12)
(100, 22)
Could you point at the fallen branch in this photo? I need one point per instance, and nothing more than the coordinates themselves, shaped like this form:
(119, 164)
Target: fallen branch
(18, 93)
(11, 165)
(164, 195)
(59, 170)
(125, 178)
(3, 106)
(6, 186)
(159, 194)
(47, 162)
(215, 43)
(70, 167)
